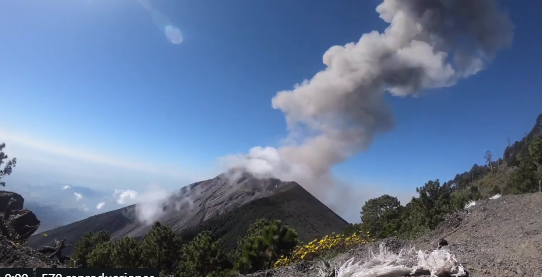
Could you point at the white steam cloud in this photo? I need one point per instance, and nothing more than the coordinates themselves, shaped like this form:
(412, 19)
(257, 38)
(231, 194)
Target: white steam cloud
(66, 187)
(100, 205)
(428, 44)
(149, 205)
(125, 197)
(78, 196)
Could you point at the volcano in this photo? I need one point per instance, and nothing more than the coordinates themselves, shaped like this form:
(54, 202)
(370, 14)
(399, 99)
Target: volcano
(226, 205)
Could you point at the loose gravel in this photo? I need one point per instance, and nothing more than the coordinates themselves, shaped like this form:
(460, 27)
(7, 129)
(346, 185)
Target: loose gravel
(494, 238)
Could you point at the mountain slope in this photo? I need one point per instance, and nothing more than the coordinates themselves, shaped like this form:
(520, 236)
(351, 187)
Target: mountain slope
(295, 207)
(226, 203)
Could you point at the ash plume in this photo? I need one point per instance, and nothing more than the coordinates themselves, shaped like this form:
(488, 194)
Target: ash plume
(429, 44)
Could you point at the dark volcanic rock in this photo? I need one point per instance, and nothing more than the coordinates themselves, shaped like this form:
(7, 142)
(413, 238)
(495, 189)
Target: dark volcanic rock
(22, 221)
(17, 220)
(5, 196)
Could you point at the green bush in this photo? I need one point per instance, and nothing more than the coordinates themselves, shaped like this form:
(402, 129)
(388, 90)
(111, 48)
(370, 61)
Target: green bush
(127, 253)
(255, 229)
(201, 257)
(262, 251)
(161, 248)
(381, 216)
(85, 246)
(101, 256)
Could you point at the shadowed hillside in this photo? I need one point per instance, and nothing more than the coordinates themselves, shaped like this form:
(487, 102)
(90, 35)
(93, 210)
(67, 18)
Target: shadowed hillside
(110, 221)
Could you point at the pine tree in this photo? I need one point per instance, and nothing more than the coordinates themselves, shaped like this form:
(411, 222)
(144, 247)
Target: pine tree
(101, 256)
(201, 257)
(261, 252)
(255, 229)
(535, 149)
(86, 245)
(127, 253)
(8, 168)
(161, 248)
(381, 216)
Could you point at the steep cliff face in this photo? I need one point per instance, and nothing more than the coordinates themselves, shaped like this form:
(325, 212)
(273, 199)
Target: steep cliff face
(236, 198)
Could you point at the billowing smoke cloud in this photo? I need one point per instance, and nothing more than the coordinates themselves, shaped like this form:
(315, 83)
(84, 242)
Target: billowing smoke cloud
(78, 196)
(150, 205)
(173, 34)
(428, 44)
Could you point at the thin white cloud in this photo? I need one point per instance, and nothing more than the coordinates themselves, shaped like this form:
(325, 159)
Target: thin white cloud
(84, 208)
(100, 205)
(90, 155)
(124, 197)
(66, 187)
(78, 196)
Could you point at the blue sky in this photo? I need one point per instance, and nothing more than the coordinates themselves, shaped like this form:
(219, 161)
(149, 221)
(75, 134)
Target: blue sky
(95, 82)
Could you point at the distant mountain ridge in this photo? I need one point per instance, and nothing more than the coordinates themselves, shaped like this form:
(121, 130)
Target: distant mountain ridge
(57, 204)
(52, 217)
(236, 201)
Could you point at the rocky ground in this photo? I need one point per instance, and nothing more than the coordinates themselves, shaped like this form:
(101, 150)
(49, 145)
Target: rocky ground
(18, 256)
(19, 223)
(501, 237)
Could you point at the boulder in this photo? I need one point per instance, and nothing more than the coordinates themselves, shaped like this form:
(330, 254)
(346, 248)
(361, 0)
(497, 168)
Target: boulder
(23, 222)
(20, 218)
(5, 196)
